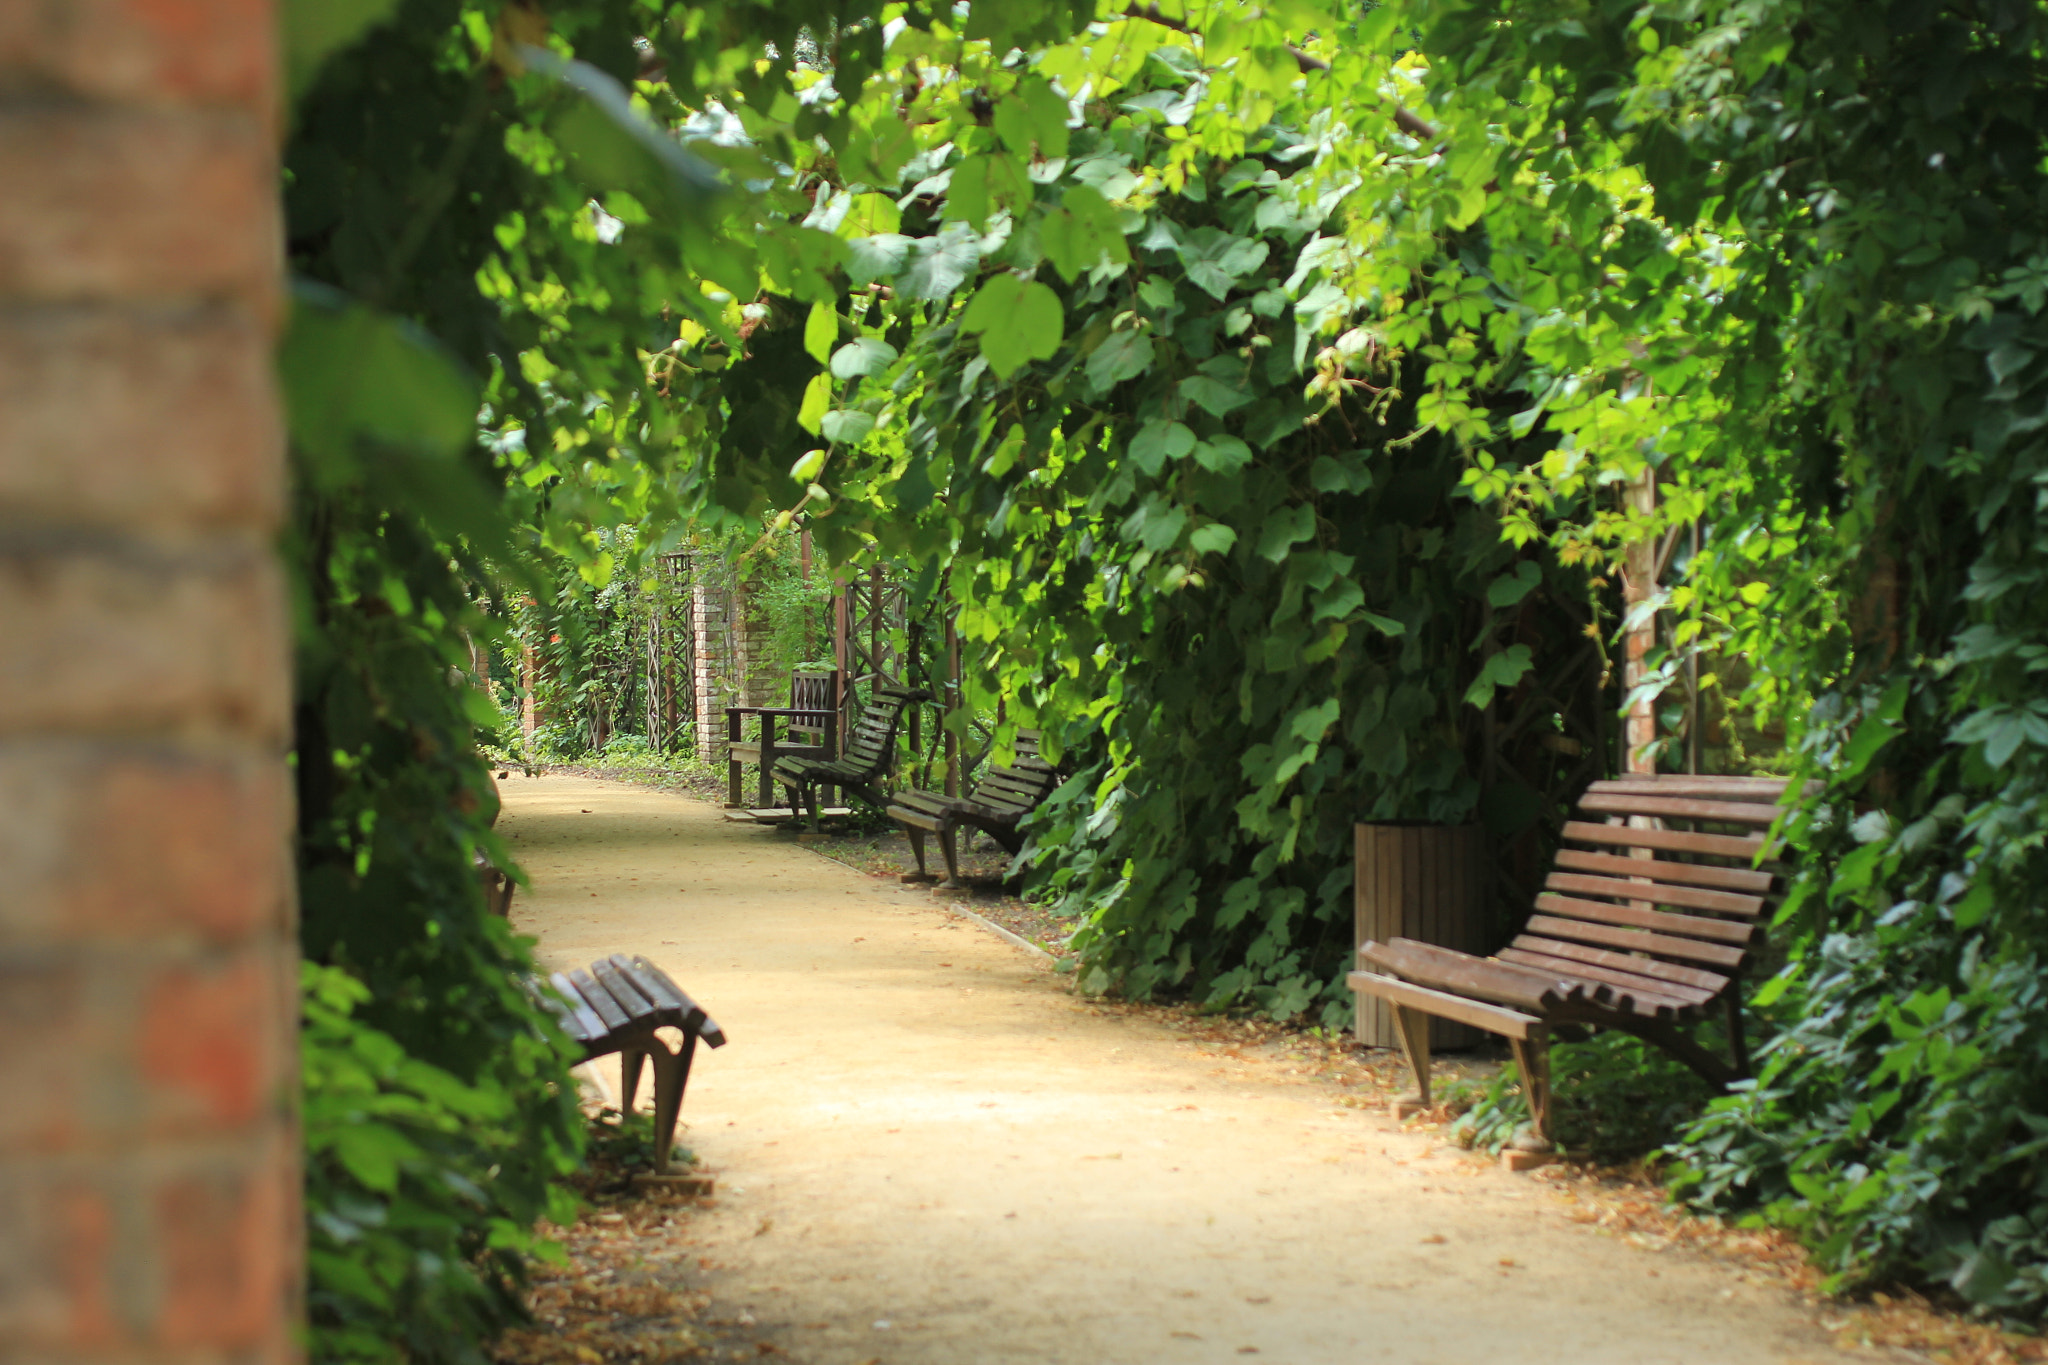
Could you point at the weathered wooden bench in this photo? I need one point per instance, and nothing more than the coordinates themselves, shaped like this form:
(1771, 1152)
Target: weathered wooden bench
(615, 1005)
(869, 757)
(1641, 926)
(811, 721)
(1003, 797)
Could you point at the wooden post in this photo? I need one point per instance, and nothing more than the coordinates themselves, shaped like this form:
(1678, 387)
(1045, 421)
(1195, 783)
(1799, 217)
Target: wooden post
(1639, 584)
(529, 688)
(952, 704)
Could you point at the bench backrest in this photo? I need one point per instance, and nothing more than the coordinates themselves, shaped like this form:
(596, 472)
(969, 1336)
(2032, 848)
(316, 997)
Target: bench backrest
(817, 694)
(872, 745)
(1017, 789)
(621, 995)
(1657, 887)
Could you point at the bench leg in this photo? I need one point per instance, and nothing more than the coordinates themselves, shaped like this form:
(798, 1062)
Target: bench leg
(1414, 1028)
(1731, 1002)
(630, 1060)
(734, 773)
(917, 852)
(671, 1076)
(1532, 1059)
(948, 845)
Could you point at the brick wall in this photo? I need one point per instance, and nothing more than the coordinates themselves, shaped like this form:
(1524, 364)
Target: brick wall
(729, 648)
(148, 1169)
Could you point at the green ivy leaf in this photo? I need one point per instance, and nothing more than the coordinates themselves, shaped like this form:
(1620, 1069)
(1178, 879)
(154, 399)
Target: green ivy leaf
(849, 425)
(1504, 669)
(1216, 260)
(1212, 539)
(1082, 233)
(1018, 321)
(933, 267)
(1158, 441)
(1123, 355)
(1223, 454)
(1511, 588)
(817, 401)
(821, 329)
(861, 357)
(880, 257)
(1213, 396)
(1286, 528)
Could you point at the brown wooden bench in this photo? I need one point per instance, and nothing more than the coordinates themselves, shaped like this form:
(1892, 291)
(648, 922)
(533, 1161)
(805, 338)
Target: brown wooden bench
(1002, 798)
(866, 764)
(1642, 926)
(812, 723)
(615, 1005)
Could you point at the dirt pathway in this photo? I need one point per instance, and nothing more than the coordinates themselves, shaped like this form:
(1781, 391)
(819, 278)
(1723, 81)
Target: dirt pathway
(930, 1152)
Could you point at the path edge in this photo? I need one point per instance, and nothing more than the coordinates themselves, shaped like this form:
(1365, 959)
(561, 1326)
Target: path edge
(953, 909)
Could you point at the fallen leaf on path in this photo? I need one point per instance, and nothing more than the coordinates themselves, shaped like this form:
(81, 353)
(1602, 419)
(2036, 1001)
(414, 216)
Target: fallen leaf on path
(1436, 1239)
(1184, 1336)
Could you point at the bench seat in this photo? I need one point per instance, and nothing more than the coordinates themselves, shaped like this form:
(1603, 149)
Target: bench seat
(616, 1004)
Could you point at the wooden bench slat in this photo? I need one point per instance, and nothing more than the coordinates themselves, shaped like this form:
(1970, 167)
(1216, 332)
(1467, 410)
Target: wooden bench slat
(600, 1000)
(1630, 983)
(652, 981)
(1680, 807)
(639, 1009)
(1749, 879)
(1743, 846)
(1637, 940)
(1658, 893)
(1498, 982)
(1656, 921)
(1493, 1018)
(1770, 789)
(1627, 962)
(581, 1022)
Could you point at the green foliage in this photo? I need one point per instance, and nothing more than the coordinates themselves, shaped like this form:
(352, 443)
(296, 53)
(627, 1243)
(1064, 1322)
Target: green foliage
(1614, 1097)
(1190, 523)
(419, 1214)
(1838, 312)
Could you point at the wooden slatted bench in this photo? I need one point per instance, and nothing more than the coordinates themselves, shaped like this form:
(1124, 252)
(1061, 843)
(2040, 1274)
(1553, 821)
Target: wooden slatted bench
(999, 802)
(615, 1005)
(1642, 926)
(811, 723)
(870, 755)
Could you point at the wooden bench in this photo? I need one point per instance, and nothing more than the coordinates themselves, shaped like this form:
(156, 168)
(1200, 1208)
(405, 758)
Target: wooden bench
(1642, 926)
(812, 722)
(615, 1005)
(1002, 798)
(866, 764)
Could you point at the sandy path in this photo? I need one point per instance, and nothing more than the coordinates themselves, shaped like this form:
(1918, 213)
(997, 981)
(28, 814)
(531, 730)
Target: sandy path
(930, 1152)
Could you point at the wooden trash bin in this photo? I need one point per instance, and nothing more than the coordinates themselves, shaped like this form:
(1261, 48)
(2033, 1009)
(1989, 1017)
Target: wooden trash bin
(1425, 882)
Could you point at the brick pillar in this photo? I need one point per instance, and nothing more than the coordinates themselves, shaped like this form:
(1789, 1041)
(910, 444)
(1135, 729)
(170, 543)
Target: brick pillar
(709, 653)
(148, 1160)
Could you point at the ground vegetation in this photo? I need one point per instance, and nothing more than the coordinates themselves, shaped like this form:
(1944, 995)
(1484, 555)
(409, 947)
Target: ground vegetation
(1258, 384)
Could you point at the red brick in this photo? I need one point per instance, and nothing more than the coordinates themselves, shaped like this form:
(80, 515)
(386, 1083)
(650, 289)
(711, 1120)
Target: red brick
(180, 1257)
(204, 849)
(148, 417)
(143, 638)
(52, 1050)
(125, 205)
(206, 1045)
(144, 51)
(184, 847)
(223, 1244)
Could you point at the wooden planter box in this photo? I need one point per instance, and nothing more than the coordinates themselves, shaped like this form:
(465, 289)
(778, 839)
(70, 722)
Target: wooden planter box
(1425, 882)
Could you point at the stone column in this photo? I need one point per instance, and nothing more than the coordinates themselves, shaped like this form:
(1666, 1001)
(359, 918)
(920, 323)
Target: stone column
(148, 1000)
